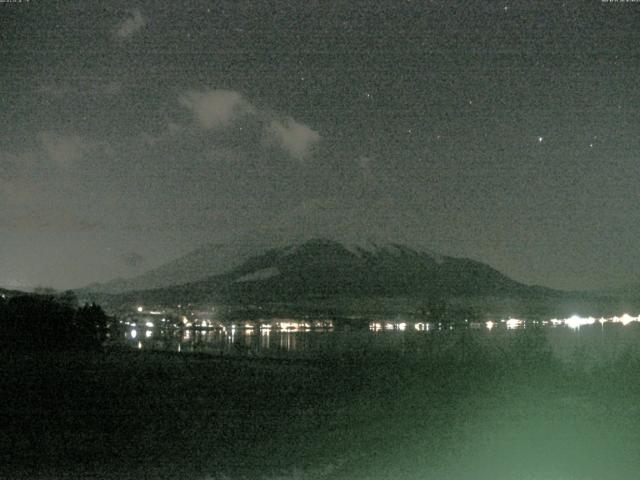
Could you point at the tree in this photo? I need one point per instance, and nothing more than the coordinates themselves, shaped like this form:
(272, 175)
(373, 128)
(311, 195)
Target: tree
(38, 322)
(91, 323)
(68, 298)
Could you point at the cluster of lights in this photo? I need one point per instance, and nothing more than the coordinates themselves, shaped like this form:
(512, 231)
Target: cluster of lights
(401, 326)
(576, 321)
(513, 323)
(625, 319)
(292, 326)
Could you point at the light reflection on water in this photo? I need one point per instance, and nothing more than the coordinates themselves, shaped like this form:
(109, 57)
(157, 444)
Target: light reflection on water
(309, 338)
(232, 340)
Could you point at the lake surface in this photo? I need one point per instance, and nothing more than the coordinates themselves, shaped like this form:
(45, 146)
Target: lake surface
(595, 340)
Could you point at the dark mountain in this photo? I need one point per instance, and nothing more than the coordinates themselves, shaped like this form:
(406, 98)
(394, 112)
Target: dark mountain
(324, 269)
(628, 291)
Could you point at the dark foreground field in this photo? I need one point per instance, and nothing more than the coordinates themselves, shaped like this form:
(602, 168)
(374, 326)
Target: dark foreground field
(467, 412)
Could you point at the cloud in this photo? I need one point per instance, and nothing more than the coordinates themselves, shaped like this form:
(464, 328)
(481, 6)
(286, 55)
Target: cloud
(219, 108)
(216, 108)
(64, 150)
(294, 137)
(130, 25)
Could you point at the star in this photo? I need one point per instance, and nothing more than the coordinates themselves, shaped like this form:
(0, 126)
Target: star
(540, 139)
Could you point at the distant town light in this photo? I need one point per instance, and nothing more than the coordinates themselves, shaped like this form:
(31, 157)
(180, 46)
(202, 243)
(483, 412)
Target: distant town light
(513, 323)
(576, 321)
(140, 309)
(625, 319)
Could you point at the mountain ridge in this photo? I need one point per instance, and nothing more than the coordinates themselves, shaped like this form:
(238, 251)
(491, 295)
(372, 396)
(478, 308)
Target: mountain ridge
(323, 268)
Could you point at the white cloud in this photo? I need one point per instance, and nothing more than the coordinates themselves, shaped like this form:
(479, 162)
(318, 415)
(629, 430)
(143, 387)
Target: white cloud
(221, 108)
(294, 137)
(130, 25)
(62, 149)
(216, 108)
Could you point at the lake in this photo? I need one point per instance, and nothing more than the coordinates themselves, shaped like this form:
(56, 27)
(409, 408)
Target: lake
(602, 338)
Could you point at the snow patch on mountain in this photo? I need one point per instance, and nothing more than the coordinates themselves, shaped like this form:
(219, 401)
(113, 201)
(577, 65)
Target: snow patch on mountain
(374, 247)
(262, 274)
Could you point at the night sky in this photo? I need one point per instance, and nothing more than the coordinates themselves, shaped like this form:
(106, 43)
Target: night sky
(504, 131)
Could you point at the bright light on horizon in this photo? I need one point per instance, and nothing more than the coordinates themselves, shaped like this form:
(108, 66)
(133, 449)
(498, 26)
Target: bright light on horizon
(513, 323)
(575, 321)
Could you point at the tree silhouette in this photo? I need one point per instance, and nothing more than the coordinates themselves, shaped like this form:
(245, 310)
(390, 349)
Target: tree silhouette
(43, 322)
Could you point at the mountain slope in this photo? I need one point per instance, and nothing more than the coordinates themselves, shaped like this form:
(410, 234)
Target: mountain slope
(208, 260)
(322, 268)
